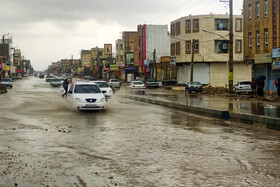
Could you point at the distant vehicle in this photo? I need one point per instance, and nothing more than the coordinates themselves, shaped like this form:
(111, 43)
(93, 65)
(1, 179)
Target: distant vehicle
(137, 86)
(86, 96)
(105, 88)
(115, 83)
(195, 87)
(152, 83)
(56, 82)
(7, 82)
(19, 76)
(49, 78)
(41, 76)
(89, 77)
(243, 87)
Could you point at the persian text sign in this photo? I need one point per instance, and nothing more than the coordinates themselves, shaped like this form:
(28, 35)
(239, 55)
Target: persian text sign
(263, 58)
(276, 53)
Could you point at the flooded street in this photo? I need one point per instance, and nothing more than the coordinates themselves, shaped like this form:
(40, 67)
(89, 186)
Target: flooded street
(44, 141)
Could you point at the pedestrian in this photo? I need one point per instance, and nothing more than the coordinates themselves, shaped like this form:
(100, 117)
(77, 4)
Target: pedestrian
(65, 86)
(254, 86)
(278, 86)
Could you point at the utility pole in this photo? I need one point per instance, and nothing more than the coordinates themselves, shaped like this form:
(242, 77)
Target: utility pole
(230, 72)
(154, 64)
(191, 78)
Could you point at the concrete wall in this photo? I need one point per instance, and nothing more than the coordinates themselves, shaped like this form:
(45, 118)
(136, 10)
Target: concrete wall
(219, 73)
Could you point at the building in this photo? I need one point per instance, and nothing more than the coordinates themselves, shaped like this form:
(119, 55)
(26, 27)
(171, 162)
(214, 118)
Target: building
(86, 61)
(130, 70)
(262, 38)
(71, 66)
(102, 59)
(204, 40)
(153, 41)
(120, 63)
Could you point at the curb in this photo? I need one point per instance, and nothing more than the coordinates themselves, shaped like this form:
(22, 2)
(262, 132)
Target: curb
(256, 120)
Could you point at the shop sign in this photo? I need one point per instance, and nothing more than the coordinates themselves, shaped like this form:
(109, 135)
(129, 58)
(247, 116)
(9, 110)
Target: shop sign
(12, 69)
(276, 53)
(7, 68)
(276, 65)
(130, 70)
(173, 61)
(263, 58)
(146, 62)
(113, 67)
(165, 59)
(130, 58)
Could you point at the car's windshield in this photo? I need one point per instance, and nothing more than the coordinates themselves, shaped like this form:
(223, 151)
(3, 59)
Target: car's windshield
(55, 80)
(86, 88)
(6, 80)
(138, 82)
(245, 83)
(195, 83)
(102, 84)
(114, 80)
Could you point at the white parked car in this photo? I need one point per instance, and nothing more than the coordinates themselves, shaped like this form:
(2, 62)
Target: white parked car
(115, 83)
(86, 96)
(7, 82)
(105, 88)
(243, 87)
(137, 86)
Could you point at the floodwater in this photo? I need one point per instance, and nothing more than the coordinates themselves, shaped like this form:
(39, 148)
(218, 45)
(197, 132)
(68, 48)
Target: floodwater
(46, 142)
(244, 104)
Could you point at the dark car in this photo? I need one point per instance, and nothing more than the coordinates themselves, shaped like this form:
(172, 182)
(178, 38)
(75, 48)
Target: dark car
(195, 87)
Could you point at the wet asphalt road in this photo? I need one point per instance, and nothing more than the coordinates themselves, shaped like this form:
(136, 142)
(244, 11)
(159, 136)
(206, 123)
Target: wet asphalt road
(45, 142)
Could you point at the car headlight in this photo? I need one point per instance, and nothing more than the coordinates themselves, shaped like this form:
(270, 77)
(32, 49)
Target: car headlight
(103, 99)
(78, 100)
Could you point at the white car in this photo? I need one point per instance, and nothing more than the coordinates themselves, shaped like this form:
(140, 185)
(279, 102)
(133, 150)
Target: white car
(137, 86)
(86, 96)
(105, 88)
(243, 87)
(115, 83)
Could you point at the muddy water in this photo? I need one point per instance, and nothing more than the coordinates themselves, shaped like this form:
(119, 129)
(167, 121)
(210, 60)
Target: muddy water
(44, 141)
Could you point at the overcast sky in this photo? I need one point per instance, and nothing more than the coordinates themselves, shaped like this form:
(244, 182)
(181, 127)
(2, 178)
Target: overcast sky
(49, 30)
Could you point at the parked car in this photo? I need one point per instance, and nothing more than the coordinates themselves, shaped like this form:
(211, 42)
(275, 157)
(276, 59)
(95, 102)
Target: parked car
(137, 86)
(56, 82)
(243, 87)
(195, 87)
(105, 88)
(152, 83)
(89, 77)
(19, 76)
(7, 82)
(86, 96)
(115, 83)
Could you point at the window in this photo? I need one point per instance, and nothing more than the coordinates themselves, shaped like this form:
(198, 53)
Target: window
(178, 28)
(266, 37)
(188, 26)
(196, 25)
(178, 48)
(121, 58)
(257, 9)
(100, 53)
(258, 38)
(221, 46)
(196, 46)
(188, 47)
(173, 49)
(249, 11)
(238, 46)
(87, 89)
(222, 24)
(250, 40)
(238, 25)
(265, 8)
(172, 30)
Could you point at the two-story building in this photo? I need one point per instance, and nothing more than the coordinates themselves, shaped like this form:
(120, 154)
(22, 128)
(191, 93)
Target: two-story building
(204, 40)
(120, 63)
